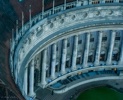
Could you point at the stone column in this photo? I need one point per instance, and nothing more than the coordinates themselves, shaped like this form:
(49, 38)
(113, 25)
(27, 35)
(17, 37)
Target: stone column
(117, 1)
(74, 56)
(98, 50)
(103, 1)
(31, 79)
(85, 58)
(26, 80)
(76, 1)
(64, 52)
(11, 58)
(64, 4)
(85, 2)
(43, 73)
(17, 68)
(121, 54)
(53, 61)
(111, 46)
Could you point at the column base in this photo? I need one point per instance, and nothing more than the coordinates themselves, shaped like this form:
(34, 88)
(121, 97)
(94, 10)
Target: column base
(85, 65)
(32, 94)
(42, 85)
(24, 93)
(120, 63)
(108, 63)
(53, 77)
(63, 72)
(73, 68)
(96, 64)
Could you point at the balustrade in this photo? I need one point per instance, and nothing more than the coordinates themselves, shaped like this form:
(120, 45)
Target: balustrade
(59, 8)
(47, 28)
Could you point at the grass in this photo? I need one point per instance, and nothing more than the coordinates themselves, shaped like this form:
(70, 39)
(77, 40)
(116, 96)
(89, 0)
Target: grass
(100, 93)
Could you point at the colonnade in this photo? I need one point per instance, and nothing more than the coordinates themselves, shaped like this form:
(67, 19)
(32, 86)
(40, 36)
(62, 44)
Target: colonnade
(86, 50)
(98, 50)
(64, 54)
(29, 91)
(121, 54)
(43, 81)
(111, 46)
(74, 53)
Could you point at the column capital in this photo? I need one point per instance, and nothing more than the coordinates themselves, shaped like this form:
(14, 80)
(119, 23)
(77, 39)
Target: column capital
(101, 32)
(32, 63)
(113, 31)
(76, 35)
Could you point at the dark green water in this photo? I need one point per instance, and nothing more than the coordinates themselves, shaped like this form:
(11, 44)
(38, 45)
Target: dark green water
(100, 93)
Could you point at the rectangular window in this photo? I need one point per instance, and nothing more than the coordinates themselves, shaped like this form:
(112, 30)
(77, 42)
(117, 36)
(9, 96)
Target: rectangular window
(117, 38)
(68, 44)
(104, 39)
(92, 40)
(56, 68)
(90, 58)
(102, 57)
(57, 48)
(78, 60)
(67, 64)
(80, 41)
(116, 44)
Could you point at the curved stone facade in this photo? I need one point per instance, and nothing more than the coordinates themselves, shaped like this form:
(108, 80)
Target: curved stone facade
(68, 40)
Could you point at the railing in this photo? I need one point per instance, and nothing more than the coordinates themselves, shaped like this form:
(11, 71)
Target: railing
(60, 8)
(82, 77)
(46, 14)
(35, 20)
